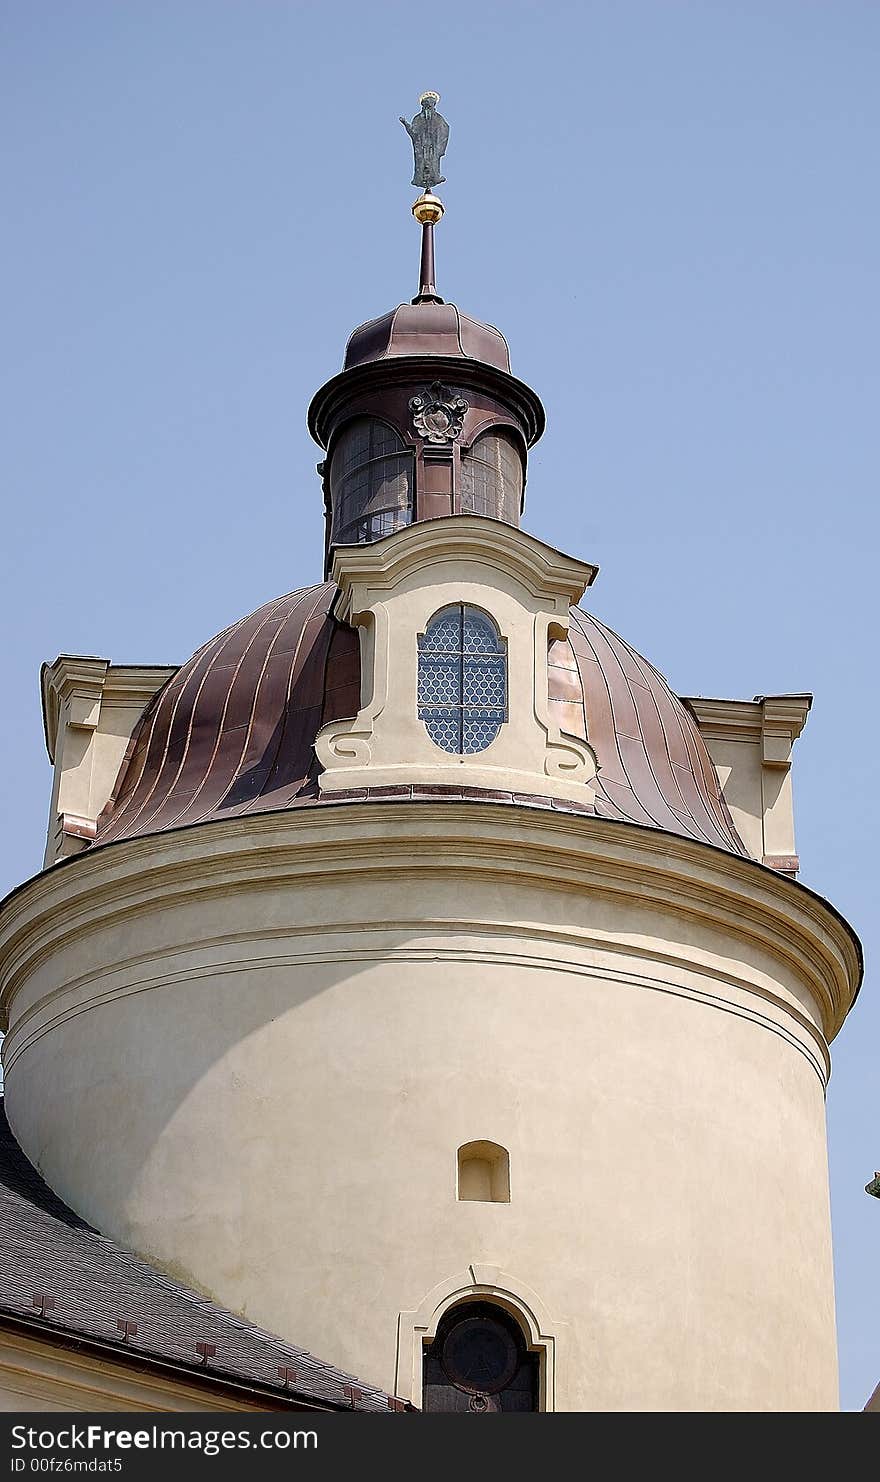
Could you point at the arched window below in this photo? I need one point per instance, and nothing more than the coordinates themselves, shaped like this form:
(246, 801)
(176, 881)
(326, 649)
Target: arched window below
(479, 1364)
(484, 1172)
(462, 679)
(492, 477)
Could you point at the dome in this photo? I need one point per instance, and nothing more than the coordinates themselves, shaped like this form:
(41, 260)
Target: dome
(654, 768)
(427, 329)
(233, 731)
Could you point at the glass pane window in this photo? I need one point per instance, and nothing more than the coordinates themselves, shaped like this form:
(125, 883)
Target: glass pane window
(492, 478)
(371, 480)
(462, 680)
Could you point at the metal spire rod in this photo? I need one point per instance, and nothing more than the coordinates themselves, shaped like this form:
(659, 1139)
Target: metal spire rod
(427, 291)
(427, 210)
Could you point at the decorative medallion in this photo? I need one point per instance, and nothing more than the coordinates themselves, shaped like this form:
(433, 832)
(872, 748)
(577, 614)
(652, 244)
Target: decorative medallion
(438, 414)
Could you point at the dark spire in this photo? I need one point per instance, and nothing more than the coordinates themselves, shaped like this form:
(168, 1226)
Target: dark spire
(427, 210)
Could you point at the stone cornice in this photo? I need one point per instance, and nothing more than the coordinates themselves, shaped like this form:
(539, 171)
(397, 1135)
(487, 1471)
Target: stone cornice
(84, 683)
(774, 716)
(784, 718)
(131, 682)
(460, 538)
(77, 680)
(506, 842)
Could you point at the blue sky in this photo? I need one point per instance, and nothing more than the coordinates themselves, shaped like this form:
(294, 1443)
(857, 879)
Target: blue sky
(669, 208)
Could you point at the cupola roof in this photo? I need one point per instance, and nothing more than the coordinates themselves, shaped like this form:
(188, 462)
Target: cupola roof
(427, 327)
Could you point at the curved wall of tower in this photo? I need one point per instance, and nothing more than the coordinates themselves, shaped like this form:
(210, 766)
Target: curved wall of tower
(251, 1051)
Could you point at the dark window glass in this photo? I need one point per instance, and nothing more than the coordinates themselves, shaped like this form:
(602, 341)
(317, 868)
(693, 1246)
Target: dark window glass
(479, 1364)
(462, 680)
(370, 483)
(492, 478)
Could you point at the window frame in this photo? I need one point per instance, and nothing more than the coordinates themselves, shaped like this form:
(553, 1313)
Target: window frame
(359, 521)
(507, 494)
(465, 712)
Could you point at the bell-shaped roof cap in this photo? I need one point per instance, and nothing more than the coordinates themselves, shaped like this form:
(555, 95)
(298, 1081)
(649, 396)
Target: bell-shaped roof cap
(427, 328)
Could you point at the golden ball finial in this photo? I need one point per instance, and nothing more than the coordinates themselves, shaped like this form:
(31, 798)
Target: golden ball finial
(428, 209)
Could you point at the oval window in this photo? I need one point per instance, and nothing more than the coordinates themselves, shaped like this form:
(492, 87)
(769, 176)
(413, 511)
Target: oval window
(462, 680)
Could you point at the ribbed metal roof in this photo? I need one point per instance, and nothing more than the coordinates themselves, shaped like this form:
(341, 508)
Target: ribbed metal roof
(654, 768)
(427, 329)
(233, 731)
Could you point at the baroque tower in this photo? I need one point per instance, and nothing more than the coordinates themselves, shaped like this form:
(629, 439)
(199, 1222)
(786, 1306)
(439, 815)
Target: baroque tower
(401, 974)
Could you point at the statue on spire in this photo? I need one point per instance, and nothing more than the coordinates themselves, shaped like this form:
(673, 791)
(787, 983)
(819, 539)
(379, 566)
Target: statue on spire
(429, 133)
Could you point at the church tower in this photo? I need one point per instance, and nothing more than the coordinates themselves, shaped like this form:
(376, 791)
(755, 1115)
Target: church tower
(401, 974)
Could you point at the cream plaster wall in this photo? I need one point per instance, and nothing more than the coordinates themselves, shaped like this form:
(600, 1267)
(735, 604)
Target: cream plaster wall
(750, 743)
(250, 1050)
(90, 710)
(390, 591)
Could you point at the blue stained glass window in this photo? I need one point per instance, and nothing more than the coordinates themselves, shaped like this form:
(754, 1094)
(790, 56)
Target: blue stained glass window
(462, 680)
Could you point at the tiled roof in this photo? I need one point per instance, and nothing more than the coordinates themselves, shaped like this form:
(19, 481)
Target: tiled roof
(233, 732)
(47, 1251)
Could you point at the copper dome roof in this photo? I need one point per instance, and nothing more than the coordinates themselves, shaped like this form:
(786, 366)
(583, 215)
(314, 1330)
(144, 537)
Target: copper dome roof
(233, 731)
(427, 329)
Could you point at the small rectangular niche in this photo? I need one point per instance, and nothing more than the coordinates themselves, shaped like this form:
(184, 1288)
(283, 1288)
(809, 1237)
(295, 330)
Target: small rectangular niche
(484, 1172)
